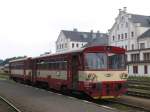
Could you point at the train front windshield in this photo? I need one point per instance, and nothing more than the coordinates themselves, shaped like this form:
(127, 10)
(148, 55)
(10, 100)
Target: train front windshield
(104, 61)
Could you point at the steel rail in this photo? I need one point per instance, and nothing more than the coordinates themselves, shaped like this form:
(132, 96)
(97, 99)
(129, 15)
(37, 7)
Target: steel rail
(10, 104)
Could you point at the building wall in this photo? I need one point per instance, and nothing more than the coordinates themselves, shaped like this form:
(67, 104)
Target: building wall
(123, 24)
(140, 70)
(65, 44)
(140, 63)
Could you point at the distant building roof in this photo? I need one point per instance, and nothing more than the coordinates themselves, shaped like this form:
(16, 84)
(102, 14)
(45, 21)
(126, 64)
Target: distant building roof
(144, 20)
(83, 36)
(145, 34)
(98, 41)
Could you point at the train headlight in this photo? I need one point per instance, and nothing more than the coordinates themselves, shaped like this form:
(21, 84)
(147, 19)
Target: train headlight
(91, 77)
(123, 76)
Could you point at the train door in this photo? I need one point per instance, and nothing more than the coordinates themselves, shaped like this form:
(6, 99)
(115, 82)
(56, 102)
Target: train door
(34, 69)
(24, 70)
(75, 63)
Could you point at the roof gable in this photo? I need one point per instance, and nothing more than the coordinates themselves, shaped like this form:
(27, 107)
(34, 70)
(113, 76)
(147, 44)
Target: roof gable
(60, 37)
(145, 35)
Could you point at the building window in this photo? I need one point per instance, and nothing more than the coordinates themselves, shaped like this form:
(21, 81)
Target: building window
(65, 45)
(126, 36)
(132, 34)
(118, 27)
(145, 69)
(126, 24)
(121, 25)
(77, 45)
(72, 45)
(135, 57)
(113, 37)
(135, 69)
(118, 37)
(132, 46)
(146, 56)
(126, 47)
(121, 36)
(142, 45)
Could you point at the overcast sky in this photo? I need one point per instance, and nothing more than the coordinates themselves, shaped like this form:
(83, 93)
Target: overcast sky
(31, 27)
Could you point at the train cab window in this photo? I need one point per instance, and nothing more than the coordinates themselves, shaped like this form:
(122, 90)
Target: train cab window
(95, 61)
(116, 61)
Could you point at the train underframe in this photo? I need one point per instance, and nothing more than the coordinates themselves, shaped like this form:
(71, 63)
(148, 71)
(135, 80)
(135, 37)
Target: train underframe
(96, 90)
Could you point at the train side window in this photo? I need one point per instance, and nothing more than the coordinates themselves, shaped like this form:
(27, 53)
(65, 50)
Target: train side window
(49, 65)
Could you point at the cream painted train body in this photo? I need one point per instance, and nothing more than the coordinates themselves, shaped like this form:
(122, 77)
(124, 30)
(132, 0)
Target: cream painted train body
(98, 71)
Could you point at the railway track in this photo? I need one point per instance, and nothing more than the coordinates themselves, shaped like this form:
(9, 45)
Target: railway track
(10, 104)
(104, 103)
(140, 88)
(143, 109)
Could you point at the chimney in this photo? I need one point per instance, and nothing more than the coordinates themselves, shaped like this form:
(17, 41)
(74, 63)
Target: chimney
(98, 33)
(124, 9)
(91, 31)
(75, 30)
(120, 11)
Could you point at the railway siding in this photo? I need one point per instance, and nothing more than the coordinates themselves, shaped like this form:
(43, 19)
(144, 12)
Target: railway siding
(135, 102)
(6, 106)
(139, 86)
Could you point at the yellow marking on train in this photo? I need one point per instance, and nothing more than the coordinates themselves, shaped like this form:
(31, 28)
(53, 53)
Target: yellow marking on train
(105, 97)
(97, 97)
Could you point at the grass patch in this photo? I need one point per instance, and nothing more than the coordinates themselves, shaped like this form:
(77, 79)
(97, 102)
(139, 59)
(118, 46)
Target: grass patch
(139, 78)
(4, 76)
(121, 107)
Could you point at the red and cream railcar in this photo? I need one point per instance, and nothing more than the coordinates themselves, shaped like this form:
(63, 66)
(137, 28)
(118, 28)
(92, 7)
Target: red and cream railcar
(98, 71)
(20, 69)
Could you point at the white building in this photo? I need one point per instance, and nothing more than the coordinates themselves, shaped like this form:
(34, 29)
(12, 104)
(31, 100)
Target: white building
(128, 32)
(73, 40)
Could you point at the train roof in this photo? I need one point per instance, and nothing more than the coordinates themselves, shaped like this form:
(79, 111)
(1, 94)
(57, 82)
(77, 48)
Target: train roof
(21, 59)
(65, 52)
(58, 53)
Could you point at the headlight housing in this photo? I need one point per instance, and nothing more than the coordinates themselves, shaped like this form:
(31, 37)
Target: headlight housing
(123, 75)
